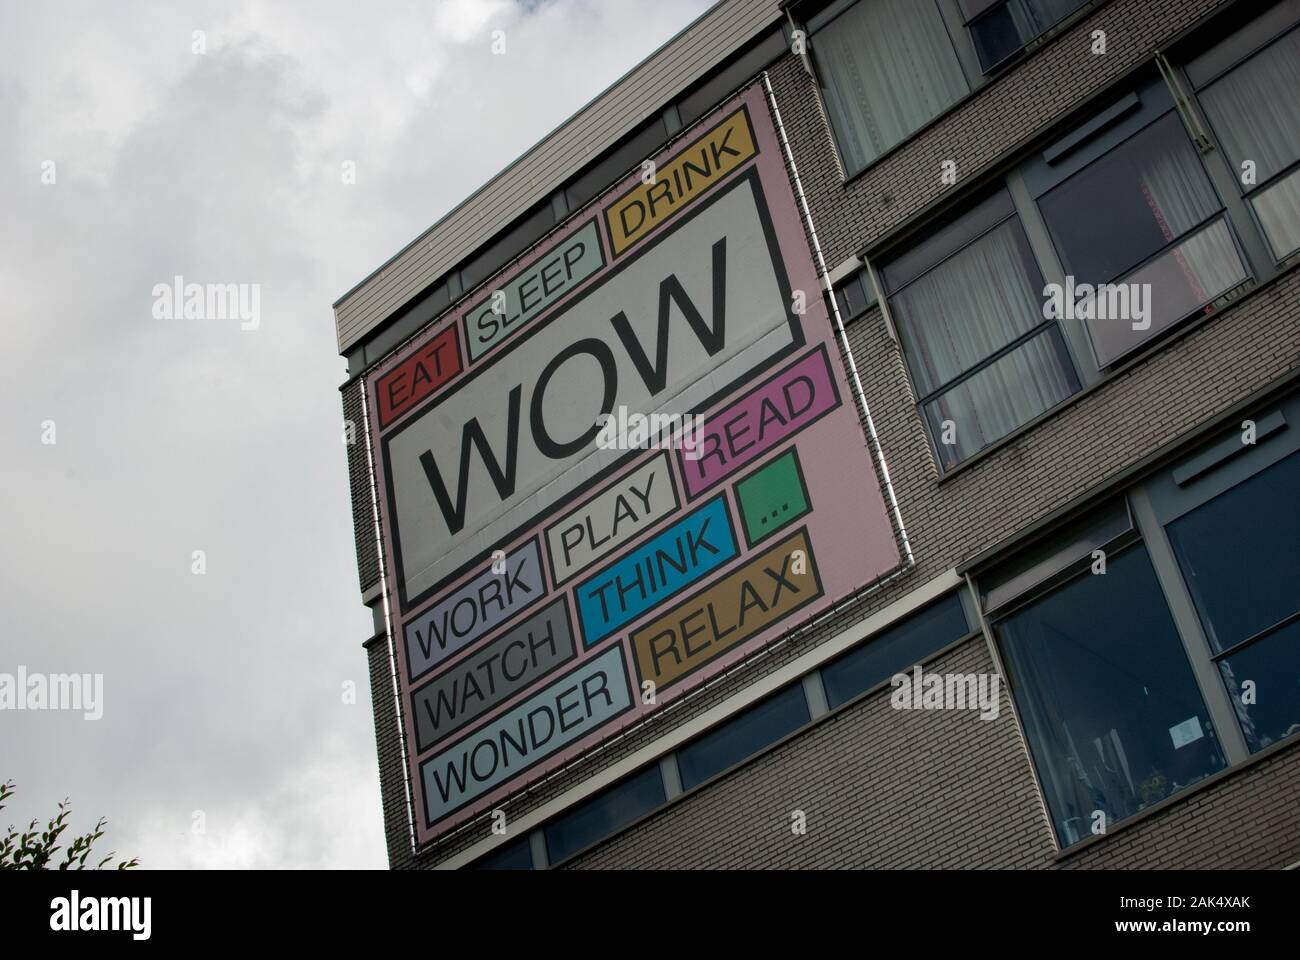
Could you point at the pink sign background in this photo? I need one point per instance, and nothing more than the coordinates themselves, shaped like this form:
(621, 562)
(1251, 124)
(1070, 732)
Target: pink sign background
(848, 525)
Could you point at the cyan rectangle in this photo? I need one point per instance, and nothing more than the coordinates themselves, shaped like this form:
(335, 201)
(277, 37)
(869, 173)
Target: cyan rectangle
(655, 571)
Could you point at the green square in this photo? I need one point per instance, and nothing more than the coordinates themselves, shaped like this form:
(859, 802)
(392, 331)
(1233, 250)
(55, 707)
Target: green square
(772, 497)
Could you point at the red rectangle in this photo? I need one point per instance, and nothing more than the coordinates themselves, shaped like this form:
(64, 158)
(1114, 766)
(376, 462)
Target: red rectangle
(419, 375)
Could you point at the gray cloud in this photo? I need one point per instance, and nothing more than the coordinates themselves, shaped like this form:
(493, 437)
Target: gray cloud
(223, 692)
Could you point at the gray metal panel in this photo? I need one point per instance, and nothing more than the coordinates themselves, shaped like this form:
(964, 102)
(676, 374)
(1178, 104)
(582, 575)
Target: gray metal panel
(719, 32)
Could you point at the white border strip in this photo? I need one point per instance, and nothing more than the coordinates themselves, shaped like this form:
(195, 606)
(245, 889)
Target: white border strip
(877, 454)
(692, 728)
(388, 627)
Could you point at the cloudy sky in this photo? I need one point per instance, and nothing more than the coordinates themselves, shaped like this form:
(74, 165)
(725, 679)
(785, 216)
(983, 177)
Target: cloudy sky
(130, 442)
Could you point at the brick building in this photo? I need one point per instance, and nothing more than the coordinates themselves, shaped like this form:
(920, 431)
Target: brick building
(1091, 500)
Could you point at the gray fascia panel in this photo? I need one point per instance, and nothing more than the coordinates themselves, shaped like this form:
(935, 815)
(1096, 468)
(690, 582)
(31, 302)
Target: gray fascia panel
(716, 34)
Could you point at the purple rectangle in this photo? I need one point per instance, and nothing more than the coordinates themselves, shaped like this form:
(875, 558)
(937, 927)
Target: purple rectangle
(485, 602)
(761, 420)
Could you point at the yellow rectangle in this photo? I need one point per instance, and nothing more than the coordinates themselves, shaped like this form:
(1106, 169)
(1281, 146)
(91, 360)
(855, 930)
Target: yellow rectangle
(676, 184)
(695, 632)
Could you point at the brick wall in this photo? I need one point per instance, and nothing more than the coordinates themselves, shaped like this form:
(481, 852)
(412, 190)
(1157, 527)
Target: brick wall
(887, 788)
(987, 128)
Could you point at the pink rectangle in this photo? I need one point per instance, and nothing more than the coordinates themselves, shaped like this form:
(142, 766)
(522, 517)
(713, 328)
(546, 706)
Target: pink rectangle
(761, 420)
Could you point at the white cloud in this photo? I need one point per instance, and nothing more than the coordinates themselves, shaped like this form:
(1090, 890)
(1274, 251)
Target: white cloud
(222, 690)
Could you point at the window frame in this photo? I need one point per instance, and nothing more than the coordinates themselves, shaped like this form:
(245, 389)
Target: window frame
(1076, 570)
(1246, 195)
(1043, 326)
(1198, 474)
(963, 52)
(1030, 44)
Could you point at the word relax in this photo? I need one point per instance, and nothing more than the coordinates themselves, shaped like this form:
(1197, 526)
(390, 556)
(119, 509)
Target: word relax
(952, 691)
(56, 691)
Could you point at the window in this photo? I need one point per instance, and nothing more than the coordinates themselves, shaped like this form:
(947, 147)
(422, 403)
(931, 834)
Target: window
(1144, 213)
(888, 67)
(743, 736)
(1001, 28)
(1113, 715)
(855, 295)
(603, 814)
(969, 312)
(1252, 109)
(517, 855)
(1240, 557)
(894, 650)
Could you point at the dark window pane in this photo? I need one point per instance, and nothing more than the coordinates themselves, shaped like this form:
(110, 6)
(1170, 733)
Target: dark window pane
(894, 650)
(517, 855)
(996, 36)
(604, 813)
(1272, 664)
(1114, 719)
(1240, 554)
(889, 68)
(855, 295)
(1135, 200)
(743, 736)
(1004, 30)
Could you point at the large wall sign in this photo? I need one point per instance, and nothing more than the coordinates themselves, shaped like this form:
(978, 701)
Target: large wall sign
(551, 587)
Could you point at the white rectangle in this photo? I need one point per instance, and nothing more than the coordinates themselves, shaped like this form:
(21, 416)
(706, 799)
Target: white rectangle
(718, 283)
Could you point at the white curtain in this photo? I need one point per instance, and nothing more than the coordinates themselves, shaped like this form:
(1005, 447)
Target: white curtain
(1278, 208)
(1255, 109)
(1179, 194)
(968, 307)
(1004, 395)
(888, 68)
(963, 311)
